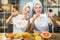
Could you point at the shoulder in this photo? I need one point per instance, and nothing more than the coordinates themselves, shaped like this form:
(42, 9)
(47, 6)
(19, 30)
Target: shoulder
(45, 15)
(42, 14)
(19, 15)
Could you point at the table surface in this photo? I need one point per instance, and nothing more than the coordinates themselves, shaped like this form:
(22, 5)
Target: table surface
(55, 36)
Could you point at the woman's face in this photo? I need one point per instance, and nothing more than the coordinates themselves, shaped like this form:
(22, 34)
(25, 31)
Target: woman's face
(38, 9)
(26, 11)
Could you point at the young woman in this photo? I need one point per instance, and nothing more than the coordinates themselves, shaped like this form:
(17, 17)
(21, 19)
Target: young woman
(20, 21)
(39, 21)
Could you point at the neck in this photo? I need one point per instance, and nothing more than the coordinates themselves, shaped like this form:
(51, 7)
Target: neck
(37, 13)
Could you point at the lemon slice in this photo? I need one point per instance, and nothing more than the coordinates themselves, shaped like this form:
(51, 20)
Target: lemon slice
(37, 38)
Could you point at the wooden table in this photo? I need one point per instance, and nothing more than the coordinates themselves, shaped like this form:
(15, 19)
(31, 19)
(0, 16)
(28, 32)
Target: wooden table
(55, 36)
(2, 36)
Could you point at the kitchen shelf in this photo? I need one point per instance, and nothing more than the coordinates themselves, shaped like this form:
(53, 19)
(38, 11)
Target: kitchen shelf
(52, 6)
(4, 14)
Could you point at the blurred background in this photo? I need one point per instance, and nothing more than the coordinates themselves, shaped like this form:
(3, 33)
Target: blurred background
(6, 7)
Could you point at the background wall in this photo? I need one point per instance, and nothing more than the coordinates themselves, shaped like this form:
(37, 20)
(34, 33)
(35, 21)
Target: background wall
(23, 3)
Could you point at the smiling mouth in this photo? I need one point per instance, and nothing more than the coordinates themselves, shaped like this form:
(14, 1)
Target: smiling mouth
(38, 11)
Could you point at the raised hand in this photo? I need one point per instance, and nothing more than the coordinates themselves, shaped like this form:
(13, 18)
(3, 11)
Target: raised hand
(36, 16)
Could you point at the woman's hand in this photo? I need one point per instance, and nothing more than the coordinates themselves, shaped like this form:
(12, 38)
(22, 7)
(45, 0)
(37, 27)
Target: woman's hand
(36, 16)
(27, 17)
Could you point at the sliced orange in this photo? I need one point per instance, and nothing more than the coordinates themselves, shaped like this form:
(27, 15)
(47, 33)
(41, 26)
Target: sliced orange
(36, 34)
(25, 34)
(9, 35)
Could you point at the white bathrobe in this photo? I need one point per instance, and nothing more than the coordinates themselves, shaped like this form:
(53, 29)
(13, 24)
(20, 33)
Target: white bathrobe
(19, 24)
(41, 23)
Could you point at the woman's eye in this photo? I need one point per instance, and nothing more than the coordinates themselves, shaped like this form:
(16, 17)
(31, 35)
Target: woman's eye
(36, 8)
(39, 7)
(28, 12)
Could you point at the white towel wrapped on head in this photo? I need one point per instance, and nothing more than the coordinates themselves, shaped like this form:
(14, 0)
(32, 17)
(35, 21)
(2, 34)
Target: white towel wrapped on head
(37, 2)
(30, 4)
